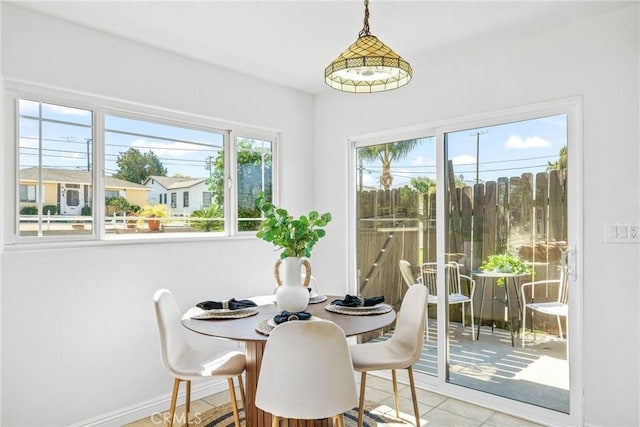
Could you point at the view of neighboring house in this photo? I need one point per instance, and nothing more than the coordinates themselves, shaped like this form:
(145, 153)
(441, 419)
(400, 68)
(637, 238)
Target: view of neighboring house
(181, 195)
(70, 191)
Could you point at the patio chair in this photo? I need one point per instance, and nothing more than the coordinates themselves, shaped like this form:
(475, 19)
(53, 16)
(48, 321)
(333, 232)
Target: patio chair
(407, 273)
(558, 307)
(454, 280)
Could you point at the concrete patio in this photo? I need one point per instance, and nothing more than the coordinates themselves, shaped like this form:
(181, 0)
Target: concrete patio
(537, 374)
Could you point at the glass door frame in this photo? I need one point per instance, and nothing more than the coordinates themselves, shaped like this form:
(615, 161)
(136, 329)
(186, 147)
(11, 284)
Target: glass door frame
(572, 107)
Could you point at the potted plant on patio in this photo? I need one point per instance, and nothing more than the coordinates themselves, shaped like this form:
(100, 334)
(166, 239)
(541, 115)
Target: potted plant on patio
(296, 237)
(505, 263)
(153, 213)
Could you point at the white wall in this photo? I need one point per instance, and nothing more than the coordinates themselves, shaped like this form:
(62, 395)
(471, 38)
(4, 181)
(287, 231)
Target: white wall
(597, 59)
(79, 337)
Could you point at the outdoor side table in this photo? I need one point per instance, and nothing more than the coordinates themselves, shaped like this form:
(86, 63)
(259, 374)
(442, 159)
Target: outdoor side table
(509, 278)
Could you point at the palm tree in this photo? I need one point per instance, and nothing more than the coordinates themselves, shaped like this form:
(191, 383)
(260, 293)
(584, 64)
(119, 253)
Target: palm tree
(387, 153)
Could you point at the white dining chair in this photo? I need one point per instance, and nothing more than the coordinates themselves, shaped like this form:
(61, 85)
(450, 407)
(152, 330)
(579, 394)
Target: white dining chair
(306, 373)
(186, 363)
(400, 351)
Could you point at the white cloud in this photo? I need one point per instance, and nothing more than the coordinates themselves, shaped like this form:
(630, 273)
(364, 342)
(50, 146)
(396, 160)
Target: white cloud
(421, 161)
(367, 180)
(516, 142)
(464, 159)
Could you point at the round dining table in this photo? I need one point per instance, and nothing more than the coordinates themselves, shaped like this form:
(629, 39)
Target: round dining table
(244, 329)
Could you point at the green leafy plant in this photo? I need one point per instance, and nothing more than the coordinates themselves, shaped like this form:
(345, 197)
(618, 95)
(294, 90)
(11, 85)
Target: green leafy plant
(29, 210)
(118, 205)
(505, 263)
(50, 209)
(296, 237)
(154, 211)
(210, 218)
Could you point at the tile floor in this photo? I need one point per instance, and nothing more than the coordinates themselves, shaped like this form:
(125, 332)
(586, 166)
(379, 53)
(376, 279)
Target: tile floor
(435, 410)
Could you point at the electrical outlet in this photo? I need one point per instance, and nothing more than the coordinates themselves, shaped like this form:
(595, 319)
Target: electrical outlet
(622, 233)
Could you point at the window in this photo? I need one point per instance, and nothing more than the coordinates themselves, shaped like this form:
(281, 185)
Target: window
(27, 193)
(73, 197)
(55, 146)
(206, 199)
(147, 161)
(254, 175)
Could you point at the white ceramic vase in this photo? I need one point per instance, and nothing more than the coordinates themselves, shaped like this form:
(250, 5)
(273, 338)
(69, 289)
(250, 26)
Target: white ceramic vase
(292, 293)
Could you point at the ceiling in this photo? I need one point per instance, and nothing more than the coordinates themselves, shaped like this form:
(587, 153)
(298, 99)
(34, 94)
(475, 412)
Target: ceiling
(291, 42)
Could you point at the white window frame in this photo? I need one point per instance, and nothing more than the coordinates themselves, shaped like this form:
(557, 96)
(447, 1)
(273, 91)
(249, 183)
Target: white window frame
(100, 106)
(233, 198)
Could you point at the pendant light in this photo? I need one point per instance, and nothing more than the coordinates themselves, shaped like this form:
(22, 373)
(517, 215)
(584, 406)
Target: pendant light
(368, 65)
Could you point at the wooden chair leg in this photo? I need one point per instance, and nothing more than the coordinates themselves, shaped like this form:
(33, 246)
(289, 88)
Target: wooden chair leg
(363, 384)
(413, 396)
(174, 397)
(187, 405)
(394, 381)
(242, 393)
(339, 420)
(275, 421)
(234, 402)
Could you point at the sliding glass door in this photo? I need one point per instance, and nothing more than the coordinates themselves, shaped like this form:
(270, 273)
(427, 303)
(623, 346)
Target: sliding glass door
(396, 223)
(506, 198)
(434, 207)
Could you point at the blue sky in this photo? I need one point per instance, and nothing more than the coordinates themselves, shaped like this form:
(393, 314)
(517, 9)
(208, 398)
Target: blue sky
(506, 150)
(67, 137)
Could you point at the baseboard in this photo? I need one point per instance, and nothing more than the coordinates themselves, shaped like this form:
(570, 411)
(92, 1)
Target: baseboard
(150, 407)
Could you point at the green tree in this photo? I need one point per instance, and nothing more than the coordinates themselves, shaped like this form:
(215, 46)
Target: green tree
(561, 163)
(250, 161)
(134, 166)
(423, 184)
(387, 153)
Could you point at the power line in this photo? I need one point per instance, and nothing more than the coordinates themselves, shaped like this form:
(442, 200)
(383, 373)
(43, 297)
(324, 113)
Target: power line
(522, 159)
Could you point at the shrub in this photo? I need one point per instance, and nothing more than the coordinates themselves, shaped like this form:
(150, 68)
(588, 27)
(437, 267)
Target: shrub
(120, 204)
(50, 209)
(212, 211)
(29, 210)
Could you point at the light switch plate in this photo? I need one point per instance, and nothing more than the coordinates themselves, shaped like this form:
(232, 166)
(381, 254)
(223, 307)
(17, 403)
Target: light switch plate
(622, 233)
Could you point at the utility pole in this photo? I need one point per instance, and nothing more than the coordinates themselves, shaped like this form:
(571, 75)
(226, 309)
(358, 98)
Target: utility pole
(88, 154)
(477, 133)
(360, 170)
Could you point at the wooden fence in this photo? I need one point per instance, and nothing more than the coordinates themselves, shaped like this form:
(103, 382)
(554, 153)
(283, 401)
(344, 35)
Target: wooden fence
(523, 214)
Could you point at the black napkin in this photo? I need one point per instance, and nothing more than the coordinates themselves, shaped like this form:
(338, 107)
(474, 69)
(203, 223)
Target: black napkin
(285, 316)
(354, 301)
(232, 304)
